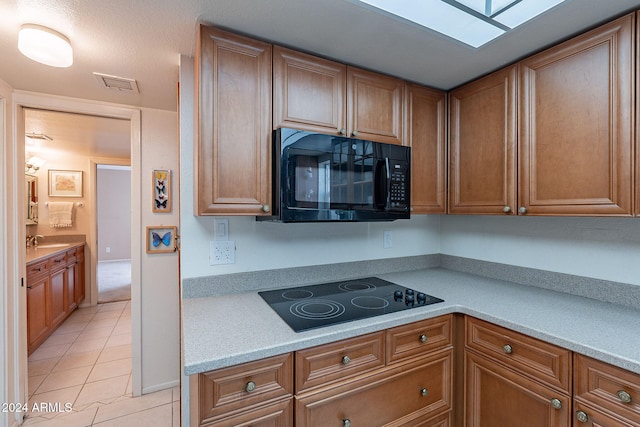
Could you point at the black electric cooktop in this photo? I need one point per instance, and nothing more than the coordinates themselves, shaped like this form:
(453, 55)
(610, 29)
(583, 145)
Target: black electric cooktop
(309, 307)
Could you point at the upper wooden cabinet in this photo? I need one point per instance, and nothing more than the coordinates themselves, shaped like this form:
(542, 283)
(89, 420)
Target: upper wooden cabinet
(308, 92)
(576, 125)
(482, 145)
(313, 94)
(425, 132)
(233, 124)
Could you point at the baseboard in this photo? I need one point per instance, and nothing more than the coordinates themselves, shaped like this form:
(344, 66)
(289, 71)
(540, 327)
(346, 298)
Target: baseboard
(158, 387)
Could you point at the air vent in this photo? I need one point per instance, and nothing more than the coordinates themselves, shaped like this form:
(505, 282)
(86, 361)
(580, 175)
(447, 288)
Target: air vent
(117, 83)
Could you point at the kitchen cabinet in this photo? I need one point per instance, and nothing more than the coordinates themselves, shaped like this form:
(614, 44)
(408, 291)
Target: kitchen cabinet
(483, 145)
(513, 379)
(426, 133)
(576, 113)
(233, 124)
(52, 293)
(319, 95)
(604, 394)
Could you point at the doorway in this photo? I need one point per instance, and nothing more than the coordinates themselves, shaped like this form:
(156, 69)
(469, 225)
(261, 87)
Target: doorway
(113, 219)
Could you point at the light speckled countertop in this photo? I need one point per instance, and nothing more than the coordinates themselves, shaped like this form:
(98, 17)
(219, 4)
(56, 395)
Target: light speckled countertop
(227, 330)
(36, 253)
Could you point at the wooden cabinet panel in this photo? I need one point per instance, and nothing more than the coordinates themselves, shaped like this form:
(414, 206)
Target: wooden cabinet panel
(308, 92)
(374, 106)
(538, 360)
(596, 418)
(497, 396)
(279, 414)
(38, 312)
(404, 394)
(58, 289)
(233, 123)
(604, 386)
(425, 132)
(79, 276)
(338, 361)
(70, 291)
(576, 125)
(418, 338)
(482, 145)
(232, 391)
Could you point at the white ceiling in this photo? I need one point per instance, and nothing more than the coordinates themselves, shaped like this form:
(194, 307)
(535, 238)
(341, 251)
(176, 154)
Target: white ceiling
(143, 39)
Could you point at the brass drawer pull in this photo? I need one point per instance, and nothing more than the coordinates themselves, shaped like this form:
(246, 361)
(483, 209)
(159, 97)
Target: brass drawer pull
(507, 349)
(556, 403)
(423, 338)
(251, 386)
(346, 422)
(346, 360)
(424, 392)
(624, 396)
(582, 416)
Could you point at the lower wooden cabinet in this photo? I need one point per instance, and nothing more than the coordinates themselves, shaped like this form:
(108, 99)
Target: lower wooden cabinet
(38, 311)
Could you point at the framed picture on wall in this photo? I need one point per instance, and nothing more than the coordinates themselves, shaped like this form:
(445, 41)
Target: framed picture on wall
(64, 183)
(161, 239)
(161, 190)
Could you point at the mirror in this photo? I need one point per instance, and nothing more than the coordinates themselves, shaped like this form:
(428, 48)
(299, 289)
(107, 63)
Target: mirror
(31, 187)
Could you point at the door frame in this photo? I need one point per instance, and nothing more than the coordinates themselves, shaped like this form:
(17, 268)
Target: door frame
(73, 105)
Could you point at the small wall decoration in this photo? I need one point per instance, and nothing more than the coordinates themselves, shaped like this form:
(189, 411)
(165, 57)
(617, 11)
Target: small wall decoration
(161, 191)
(63, 183)
(161, 239)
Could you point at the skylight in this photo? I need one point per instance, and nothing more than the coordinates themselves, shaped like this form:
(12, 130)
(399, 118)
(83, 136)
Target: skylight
(473, 22)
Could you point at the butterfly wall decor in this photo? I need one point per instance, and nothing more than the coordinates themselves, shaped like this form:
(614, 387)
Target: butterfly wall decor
(161, 190)
(161, 239)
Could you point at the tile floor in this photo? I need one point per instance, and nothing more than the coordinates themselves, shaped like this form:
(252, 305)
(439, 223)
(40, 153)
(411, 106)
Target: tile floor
(86, 365)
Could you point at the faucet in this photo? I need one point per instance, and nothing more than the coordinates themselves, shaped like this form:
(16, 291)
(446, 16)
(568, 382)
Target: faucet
(33, 240)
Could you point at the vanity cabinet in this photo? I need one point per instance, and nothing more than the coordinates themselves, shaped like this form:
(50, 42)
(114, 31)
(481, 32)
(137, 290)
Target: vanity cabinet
(52, 293)
(319, 95)
(513, 379)
(425, 115)
(233, 124)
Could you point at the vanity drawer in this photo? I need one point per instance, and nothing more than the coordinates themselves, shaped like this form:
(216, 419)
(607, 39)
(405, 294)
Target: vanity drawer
(607, 387)
(336, 361)
(58, 261)
(37, 269)
(418, 338)
(241, 388)
(536, 359)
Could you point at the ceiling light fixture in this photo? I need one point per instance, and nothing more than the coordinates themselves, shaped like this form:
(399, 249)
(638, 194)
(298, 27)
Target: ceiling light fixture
(473, 22)
(45, 46)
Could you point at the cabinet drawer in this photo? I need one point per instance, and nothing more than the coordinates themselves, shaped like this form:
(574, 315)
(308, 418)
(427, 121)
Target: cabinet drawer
(37, 269)
(607, 387)
(337, 361)
(279, 414)
(237, 389)
(418, 338)
(537, 359)
(58, 262)
(595, 418)
(404, 394)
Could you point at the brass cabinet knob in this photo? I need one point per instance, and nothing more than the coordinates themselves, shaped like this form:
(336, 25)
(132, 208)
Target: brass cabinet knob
(266, 208)
(507, 348)
(624, 396)
(424, 392)
(346, 360)
(342, 131)
(346, 422)
(556, 403)
(582, 416)
(506, 209)
(522, 210)
(250, 387)
(423, 338)
(354, 133)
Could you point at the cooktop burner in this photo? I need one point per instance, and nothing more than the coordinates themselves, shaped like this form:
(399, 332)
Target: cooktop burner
(309, 307)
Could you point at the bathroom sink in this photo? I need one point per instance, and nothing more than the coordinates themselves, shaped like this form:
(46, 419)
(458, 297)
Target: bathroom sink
(52, 245)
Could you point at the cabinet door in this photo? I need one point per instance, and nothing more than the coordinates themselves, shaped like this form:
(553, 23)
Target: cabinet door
(308, 92)
(482, 127)
(233, 115)
(374, 106)
(425, 132)
(58, 283)
(70, 300)
(497, 396)
(79, 278)
(576, 114)
(38, 312)
(586, 416)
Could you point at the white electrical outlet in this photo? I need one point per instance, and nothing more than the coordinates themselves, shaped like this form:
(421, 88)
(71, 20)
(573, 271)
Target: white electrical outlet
(107, 249)
(387, 239)
(222, 252)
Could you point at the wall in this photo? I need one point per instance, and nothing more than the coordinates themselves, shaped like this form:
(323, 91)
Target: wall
(114, 212)
(602, 248)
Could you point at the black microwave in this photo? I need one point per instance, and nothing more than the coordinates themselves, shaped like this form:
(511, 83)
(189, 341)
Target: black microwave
(321, 177)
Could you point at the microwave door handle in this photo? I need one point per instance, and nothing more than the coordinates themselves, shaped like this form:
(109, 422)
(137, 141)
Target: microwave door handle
(382, 182)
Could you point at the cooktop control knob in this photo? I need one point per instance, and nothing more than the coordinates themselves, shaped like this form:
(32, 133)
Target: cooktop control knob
(409, 299)
(409, 292)
(422, 297)
(397, 295)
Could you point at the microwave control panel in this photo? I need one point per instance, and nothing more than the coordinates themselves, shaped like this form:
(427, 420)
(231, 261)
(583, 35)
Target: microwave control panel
(398, 188)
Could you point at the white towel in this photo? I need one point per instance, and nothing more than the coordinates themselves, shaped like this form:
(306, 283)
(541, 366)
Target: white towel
(60, 214)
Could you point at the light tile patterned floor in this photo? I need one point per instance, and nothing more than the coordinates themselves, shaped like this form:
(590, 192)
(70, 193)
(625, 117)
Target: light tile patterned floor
(86, 364)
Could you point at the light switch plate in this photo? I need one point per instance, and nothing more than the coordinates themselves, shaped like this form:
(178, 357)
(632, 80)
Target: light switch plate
(387, 239)
(221, 229)
(222, 252)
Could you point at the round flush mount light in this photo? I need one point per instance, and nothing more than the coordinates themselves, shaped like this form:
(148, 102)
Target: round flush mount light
(45, 45)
